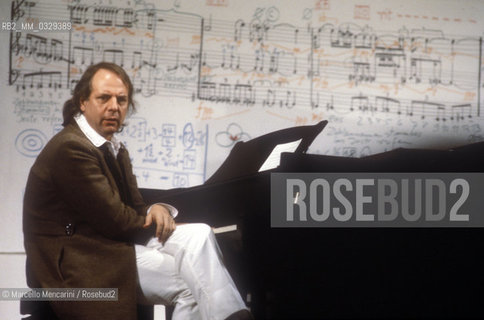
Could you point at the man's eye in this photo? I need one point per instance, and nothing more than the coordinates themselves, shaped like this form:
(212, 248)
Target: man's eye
(122, 100)
(104, 98)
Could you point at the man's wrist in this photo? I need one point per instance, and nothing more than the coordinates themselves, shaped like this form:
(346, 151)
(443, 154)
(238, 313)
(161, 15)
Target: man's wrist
(171, 209)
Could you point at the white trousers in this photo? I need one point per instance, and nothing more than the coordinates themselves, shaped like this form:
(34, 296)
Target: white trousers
(187, 272)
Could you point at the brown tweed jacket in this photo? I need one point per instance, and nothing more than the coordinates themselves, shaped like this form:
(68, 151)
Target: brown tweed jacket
(78, 232)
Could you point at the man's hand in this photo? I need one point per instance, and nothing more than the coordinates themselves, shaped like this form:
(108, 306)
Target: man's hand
(165, 225)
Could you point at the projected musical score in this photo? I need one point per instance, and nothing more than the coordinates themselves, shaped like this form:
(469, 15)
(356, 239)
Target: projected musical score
(301, 71)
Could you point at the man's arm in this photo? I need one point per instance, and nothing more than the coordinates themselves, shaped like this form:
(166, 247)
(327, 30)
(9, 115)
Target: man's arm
(82, 184)
(161, 214)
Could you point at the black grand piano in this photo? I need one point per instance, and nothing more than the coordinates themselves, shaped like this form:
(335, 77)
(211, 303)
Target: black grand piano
(320, 273)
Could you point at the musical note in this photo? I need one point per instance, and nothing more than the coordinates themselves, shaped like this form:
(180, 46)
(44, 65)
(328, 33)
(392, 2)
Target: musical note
(114, 55)
(361, 72)
(270, 99)
(391, 64)
(316, 38)
(104, 16)
(137, 60)
(364, 40)
(461, 111)
(29, 5)
(315, 103)
(342, 39)
(207, 91)
(78, 14)
(388, 60)
(150, 20)
(176, 66)
(35, 45)
(149, 86)
(290, 99)
(387, 105)
(441, 113)
(225, 93)
(208, 27)
(129, 18)
(330, 105)
(258, 31)
(274, 62)
(259, 60)
(360, 103)
(224, 52)
(56, 50)
(55, 79)
(425, 68)
(82, 56)
(238, 29)
(39, 79)
(192, 62)
(232, 57)
(427, 108)
(244, 93)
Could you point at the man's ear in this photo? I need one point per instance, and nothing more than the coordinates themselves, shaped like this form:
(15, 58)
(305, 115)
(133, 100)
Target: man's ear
(82, 106)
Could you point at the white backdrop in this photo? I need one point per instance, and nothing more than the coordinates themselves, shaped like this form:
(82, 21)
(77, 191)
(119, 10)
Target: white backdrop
(386, 74)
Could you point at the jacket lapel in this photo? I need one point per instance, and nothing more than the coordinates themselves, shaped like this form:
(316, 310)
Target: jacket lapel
(117, 172)
(114, 169)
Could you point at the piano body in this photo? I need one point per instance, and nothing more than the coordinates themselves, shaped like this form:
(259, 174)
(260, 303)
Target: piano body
(300, 273)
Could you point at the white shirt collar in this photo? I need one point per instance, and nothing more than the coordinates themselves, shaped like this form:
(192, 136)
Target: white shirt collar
(97, 140)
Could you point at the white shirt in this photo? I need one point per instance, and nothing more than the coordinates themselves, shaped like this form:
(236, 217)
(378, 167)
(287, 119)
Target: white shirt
(113, 145)
(97, 140)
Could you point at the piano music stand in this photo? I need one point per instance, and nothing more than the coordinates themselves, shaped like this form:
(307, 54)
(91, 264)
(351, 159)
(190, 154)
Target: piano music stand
(247, 157)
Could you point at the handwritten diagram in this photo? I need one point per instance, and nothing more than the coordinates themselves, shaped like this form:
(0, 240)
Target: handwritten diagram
(30, 142)
(167, 153)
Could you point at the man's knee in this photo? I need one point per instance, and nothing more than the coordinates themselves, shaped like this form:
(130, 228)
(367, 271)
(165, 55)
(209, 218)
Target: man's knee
(194, 233)
(202, 231)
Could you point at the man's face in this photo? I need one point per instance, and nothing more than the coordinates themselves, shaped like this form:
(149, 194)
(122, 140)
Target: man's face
(106, 107)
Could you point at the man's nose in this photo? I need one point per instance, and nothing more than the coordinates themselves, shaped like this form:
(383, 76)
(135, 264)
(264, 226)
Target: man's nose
(113, 104)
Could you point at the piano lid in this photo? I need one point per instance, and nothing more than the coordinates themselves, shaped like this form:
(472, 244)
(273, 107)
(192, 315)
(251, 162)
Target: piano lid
(246, 158)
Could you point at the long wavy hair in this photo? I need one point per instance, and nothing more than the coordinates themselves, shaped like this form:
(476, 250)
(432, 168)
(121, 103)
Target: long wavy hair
(83, 89)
